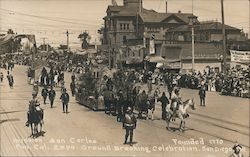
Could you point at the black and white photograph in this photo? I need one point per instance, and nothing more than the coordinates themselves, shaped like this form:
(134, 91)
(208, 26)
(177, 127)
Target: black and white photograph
(125, 78)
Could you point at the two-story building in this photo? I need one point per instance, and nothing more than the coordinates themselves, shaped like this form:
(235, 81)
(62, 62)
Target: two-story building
(209, 31)
(120, 23)
(130, 24)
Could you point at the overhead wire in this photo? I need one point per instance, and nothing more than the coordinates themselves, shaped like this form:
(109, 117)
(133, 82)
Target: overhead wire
(159, 5)
(48, 18)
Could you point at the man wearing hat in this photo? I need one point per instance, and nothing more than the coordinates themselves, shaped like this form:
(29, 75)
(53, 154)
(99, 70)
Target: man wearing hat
(11, 80)
(52, 95)
(129, 124)
(33, 103)
(175, 101)
(44, 94)
(202, 94)
(119, 105)
(35, 88)
(236, 148)
(65, 100)
(1, 77)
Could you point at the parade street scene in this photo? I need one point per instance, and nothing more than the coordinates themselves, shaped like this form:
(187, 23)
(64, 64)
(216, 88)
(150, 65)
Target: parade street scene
(125, 78)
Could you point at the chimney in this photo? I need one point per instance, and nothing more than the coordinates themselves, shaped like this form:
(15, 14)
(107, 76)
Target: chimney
(134, 3)
(166, 6)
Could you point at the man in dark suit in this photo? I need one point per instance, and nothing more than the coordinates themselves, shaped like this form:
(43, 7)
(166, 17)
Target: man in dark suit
(65, 100)
(11, 80)
(202, 94)
(52, 95)
(164, 101)
(72, 87)
(44, 94)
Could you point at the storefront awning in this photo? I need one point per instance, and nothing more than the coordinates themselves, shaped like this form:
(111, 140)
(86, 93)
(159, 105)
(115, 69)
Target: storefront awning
(155, 59)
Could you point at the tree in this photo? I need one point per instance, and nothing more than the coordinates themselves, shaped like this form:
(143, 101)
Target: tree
(10, 31)
(101, 30)
(85, 38)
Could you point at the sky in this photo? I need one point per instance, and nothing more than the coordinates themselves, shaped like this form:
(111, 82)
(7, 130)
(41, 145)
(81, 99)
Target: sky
(51, 18)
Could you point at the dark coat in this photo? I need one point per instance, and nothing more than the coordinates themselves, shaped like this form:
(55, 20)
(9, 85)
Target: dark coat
(65, 98)
(164, 100)
(202, 92)
(45, 92)
(72, 86)
(52, 94)
(10, 78)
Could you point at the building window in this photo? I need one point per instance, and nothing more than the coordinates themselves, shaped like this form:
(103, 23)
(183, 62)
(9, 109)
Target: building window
(124, 39)
(124, 26)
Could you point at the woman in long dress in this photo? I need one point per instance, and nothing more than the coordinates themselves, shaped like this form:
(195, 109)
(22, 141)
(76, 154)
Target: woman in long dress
(56, 80)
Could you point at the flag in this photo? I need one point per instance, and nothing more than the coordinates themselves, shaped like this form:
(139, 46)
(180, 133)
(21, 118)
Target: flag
(144, 40)
(152, 44)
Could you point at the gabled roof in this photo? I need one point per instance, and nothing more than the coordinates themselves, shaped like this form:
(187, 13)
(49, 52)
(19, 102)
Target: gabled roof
(146, 15)
(153, 16)
(114, 8)
(122, 10)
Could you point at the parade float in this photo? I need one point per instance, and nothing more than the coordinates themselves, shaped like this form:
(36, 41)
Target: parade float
(90, 84)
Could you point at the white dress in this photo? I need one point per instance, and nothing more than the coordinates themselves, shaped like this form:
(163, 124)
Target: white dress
(56, 78)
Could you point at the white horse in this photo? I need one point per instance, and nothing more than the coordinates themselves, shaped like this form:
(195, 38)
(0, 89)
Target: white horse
(181, 113)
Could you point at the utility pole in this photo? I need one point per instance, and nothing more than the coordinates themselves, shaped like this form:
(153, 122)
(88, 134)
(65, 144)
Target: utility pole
(34, 52)
(45, 49)
(192, 18)
(67, 33)
(192, 47)
(223, 38)
(249, 22)
(137, 19)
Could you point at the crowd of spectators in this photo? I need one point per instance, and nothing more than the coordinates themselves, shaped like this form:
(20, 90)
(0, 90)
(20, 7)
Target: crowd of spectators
(234, 82)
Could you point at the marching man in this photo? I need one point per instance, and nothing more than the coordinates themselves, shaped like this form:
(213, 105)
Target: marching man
(1, 77)
(52, 95)
(65, 100)
(129, 124)
(11, 80)
(44, 94)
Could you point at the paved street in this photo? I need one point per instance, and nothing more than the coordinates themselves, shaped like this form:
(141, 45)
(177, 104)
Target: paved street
(211, 130)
